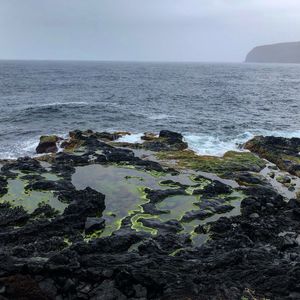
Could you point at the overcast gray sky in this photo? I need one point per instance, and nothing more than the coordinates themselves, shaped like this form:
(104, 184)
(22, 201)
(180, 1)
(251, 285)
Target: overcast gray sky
(159, 30)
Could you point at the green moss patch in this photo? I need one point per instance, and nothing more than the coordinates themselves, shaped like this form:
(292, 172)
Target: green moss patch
(29, 200)
(230, 162)
(176, 206)
(138, 225)
(49, 139)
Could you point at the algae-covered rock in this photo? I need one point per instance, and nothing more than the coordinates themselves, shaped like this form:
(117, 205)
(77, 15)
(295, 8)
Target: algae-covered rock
(246, 178)
(283, 152)
(166, 141)
(283, 179)
(230, 162)
(148, 136)
(173, 235)
(215, 188)
(48, 144)
(107, 136)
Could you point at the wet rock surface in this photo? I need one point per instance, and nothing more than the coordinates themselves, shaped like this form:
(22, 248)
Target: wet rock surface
(166, 141)
(281, 151)
(48, 144)
(145, 229)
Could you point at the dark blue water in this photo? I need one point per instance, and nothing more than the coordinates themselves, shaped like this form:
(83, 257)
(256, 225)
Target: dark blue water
(214, 105)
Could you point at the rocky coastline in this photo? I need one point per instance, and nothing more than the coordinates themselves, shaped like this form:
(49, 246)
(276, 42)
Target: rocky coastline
(94, 218)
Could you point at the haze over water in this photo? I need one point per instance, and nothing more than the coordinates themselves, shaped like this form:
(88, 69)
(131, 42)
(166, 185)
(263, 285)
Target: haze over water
(216, 106)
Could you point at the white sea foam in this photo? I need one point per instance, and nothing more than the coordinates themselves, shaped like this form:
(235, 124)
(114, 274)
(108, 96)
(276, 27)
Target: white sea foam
(80, 103)
(159, 117)
(210, 145)
(200, 143)
(24, 148)
(216, 146)
(131, 138)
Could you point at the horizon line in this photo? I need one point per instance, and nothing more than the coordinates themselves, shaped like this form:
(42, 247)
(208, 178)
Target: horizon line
(117, 60)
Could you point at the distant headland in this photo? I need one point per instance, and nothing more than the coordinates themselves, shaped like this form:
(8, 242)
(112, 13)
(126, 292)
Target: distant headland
(275, 53)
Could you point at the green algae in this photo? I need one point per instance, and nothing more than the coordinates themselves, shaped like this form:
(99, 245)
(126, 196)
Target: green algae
(201, 180)
(138, 226)
(191, 189)
(176, 206)
(122, 188)
(112, 223)
(30, 200)
(231, 161)
(156, 174)
(233, 199)
(125, 196)
(67, 242)
(48, 139)
(174, 253)
(51, 176)
(169, 184)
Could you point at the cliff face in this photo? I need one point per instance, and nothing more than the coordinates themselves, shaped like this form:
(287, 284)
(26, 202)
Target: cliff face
(276, 53)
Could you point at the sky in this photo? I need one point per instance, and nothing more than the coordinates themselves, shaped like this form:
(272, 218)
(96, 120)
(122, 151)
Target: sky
(144, 30)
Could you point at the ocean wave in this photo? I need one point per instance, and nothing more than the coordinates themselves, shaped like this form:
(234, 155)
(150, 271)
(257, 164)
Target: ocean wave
(132, 138)
(202, 144)
(47, 111)
(215, 146)
(18, 149)
(74, 103)
(218, 146)
(23, 148)
(159, 116)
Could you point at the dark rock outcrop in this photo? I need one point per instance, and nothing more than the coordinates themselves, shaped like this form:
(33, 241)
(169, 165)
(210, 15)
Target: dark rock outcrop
(281, 151)
(93, 224)
(166, 141)
(46, 254)
(48, 144)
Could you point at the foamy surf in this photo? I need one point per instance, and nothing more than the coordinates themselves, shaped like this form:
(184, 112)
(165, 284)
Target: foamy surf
(160, 117)
(202, 144)
(218, 146)
(70, 103)
(131, 138)
(24, 148)
(214, 146)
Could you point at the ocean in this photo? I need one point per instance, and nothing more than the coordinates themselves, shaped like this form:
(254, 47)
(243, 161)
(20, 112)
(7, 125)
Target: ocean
(216, 106)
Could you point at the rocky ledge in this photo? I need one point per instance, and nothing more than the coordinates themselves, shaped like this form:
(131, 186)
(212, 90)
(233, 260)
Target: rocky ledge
(103, 219)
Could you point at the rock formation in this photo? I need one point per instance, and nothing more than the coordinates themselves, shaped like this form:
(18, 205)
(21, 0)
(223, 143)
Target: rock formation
(275, 53)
